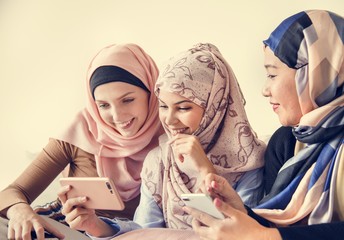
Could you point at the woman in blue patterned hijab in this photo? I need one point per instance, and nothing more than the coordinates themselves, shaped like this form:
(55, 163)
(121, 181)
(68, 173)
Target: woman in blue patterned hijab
(305, 70)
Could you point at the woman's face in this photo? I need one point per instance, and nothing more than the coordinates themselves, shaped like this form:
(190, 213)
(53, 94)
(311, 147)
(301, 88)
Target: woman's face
(179, 114)
(122, 106)
(280, 87)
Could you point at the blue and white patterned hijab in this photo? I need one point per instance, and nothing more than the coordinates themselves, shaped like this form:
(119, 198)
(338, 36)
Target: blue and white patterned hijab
(309, 185)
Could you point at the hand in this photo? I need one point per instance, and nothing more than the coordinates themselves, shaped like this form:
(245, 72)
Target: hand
(81, 218)
(23, 220)
(187, 147)
(236, 226)
(218, 187)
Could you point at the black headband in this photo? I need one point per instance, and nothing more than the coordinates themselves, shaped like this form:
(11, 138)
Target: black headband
(107, 74)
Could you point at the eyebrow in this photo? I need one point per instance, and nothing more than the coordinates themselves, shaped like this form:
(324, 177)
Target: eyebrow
(120, 97)
(124, 95)
(183, 101)
(270, 66)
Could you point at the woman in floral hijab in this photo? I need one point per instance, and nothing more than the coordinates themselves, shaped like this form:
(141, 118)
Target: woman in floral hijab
(203, 77)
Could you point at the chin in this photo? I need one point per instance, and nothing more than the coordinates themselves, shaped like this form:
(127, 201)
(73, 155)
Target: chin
(284, 122)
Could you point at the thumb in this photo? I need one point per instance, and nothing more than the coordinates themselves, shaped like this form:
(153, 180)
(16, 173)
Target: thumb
(225, 208)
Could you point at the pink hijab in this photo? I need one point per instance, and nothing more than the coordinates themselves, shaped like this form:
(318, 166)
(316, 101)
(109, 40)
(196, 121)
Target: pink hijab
(118, 157)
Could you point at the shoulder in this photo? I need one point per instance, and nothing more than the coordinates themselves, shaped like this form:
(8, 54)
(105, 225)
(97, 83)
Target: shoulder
(282, 135)
(65, 150)
(283, 132)
(281, 145)
(154, 156)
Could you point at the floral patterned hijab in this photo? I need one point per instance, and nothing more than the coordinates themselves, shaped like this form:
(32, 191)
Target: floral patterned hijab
(203, 76)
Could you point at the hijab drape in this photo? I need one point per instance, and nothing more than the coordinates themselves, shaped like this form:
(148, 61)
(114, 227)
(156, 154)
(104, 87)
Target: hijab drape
(118, 157)
(203, 76)
(310, 184)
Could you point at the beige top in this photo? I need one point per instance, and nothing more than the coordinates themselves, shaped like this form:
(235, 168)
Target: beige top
(50, 162)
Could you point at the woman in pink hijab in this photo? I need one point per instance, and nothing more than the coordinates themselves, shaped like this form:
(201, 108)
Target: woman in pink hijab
(109, 138)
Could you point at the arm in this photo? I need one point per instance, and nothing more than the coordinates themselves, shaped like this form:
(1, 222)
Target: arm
(333, 231)
(148, 214)
(250, 187)
(245, 224)
(236, 226)
(37, 176)
(237, 223)
(15, 199)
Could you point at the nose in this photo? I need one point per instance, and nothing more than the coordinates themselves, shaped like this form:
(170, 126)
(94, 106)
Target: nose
(266, 89)
(170, 118)
(116, 113)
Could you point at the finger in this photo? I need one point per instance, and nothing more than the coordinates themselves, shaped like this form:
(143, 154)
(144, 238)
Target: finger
(182, 141)
(202, 217)
(225, 208)
(218, 185)
(172, 140)
(26, 231)
(212, 177)
(181, 149)
(203, 232)
(49, 228)
(10, 233)
(39, 233)
(179, 155)
(75, 213)
(62, 193)
(71, 203)
(18, 233)
(81, 217)
(177, 137)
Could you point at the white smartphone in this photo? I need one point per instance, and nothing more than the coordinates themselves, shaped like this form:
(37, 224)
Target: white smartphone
(201, 202)
(101, 192)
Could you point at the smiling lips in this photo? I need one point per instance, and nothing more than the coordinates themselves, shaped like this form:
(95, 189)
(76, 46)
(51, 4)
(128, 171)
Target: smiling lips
(274, 106)
(177, 131)
(125, 125)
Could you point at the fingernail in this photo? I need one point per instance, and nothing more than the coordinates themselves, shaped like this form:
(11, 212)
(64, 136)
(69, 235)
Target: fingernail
(217, 202)
(83, 199)
(214, 184)
(185, 209)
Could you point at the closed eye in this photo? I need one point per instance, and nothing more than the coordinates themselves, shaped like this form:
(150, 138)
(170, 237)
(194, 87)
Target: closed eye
(184, 108)
(128, 100)
(270, 76)
(103, 105)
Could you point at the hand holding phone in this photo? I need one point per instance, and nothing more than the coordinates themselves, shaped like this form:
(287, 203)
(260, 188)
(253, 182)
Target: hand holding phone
(202, 202)
(101, 192)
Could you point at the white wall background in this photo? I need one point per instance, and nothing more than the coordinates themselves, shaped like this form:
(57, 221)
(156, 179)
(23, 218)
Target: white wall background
(46, 45)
